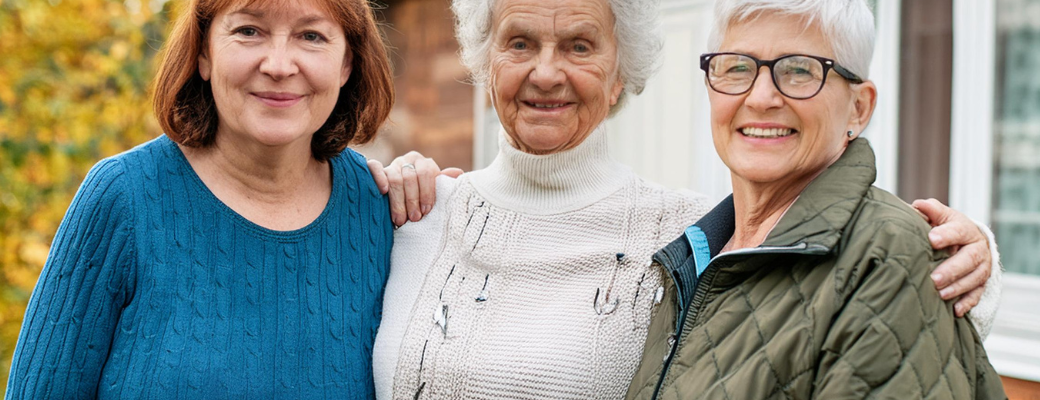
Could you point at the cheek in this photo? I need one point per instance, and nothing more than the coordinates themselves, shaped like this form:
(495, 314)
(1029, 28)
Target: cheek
(506, 81)
(722, 110)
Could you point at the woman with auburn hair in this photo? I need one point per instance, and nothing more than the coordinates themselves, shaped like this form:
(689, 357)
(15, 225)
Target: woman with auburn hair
(244, 253)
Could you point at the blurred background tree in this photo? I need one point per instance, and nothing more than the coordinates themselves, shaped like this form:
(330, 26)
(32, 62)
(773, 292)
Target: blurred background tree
(74, 80)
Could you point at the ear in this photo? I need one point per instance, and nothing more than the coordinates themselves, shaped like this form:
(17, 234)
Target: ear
(204, 65)
(615, 92)
(863, 103)
(348, 66)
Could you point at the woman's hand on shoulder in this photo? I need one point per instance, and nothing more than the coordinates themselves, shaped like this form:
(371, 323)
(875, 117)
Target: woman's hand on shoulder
(411, 182)
(968, 269)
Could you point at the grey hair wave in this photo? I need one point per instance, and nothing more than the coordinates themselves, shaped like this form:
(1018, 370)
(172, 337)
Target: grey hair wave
(847, 24)
(636, 28)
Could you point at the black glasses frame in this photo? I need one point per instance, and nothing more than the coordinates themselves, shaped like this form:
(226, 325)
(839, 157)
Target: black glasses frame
(828, 65)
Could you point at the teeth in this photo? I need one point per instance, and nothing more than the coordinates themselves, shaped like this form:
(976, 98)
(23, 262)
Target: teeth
(766, 133)
(536, 105)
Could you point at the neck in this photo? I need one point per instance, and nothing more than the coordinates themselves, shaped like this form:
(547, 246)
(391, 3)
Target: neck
(758, 207)
(552, 183)
(280, 188)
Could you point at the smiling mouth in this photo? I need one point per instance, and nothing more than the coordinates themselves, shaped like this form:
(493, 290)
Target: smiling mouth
(767, 133)
(546, 106)
(278, 100)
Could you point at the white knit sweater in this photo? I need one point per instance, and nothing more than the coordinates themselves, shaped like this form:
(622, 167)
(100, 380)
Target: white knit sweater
(537, 280)
(513, 288)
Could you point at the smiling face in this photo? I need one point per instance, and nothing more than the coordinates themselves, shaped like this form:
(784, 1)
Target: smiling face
(768, 139)
(275, 71)
(554, 72)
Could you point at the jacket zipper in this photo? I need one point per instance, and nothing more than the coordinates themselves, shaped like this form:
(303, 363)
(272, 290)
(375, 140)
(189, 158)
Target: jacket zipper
(708, 275)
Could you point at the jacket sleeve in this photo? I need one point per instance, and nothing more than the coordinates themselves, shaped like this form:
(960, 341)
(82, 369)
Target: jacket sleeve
(895, 337)
(72, 314)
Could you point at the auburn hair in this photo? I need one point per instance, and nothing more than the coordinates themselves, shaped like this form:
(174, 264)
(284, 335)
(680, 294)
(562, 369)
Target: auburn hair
(184, 104)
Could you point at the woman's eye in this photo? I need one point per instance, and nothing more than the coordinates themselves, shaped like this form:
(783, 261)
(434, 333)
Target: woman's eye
(519, 45)
(313, 37)
(581, 48)
(247, 31)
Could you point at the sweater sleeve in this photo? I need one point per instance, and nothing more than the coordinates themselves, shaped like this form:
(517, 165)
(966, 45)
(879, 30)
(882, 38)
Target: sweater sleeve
(416, 247)
(73, 312)
(895, 337)
(986, 311)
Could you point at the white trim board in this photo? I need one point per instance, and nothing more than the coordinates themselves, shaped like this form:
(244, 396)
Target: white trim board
(1013, 346)
(971, 125)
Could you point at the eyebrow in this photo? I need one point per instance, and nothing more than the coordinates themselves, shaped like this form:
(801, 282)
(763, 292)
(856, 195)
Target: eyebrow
(580, 28)
(250, 12)
(571, 31)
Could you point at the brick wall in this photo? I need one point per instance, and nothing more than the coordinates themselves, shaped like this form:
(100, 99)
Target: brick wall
(434, 109)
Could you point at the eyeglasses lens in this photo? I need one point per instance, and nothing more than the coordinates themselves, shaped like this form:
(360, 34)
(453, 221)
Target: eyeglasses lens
(796, 76)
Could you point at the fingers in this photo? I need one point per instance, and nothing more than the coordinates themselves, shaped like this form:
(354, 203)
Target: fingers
(930, 209)
(410, 157)
(378, 175)
(413, 189)
(427, 171)
(398, 213)
(975, 278)
(950, 227)
(968, 301)
(452, 172)
(411, 192)
(962, 262)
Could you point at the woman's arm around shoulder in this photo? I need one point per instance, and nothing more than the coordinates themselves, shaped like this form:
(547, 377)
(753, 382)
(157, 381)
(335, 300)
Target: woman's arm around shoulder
(73, 311)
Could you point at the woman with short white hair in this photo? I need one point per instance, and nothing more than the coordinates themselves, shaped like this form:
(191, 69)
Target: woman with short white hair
(532, 278)
(808, 282)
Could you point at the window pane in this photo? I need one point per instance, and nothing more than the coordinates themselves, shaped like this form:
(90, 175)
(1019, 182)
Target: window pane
(1016, 214)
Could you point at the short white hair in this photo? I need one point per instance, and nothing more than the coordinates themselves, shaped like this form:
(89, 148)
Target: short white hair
(847, 24)
(636, 29)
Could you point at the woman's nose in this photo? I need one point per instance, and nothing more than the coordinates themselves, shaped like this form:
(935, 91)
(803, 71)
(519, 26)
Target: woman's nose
(547, 74)
(764, 94)
(279, 62)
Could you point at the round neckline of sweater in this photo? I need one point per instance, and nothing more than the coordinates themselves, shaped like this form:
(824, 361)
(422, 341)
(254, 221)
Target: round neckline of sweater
(244, 222)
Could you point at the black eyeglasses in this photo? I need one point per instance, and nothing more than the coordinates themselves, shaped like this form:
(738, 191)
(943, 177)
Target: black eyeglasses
(797, 76)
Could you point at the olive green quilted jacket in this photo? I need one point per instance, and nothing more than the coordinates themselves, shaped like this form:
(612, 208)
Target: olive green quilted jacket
(836, 304)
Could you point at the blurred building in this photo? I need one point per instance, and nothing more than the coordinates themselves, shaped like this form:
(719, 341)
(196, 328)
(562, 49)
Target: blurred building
(958, 119)
(433, 113)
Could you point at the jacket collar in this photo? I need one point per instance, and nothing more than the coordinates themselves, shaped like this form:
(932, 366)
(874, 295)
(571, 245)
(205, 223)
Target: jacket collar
(677, 257)
(817, 218)
(826, 206)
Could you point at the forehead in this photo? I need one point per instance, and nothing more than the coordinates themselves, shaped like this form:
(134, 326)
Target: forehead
(771, 35)
(276, 7)
(561, 15)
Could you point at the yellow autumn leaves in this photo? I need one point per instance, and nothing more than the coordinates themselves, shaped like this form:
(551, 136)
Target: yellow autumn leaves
(74, 79)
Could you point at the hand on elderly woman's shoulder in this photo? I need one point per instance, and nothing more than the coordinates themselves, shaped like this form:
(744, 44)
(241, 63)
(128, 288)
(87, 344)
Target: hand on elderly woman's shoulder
(411, 183)
(971, 262)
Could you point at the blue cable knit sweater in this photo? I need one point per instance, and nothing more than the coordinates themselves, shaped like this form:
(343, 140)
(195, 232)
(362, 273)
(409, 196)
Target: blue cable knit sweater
(155, 289)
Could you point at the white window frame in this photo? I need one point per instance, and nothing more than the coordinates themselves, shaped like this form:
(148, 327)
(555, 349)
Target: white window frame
(1014, 344)
(883, 131)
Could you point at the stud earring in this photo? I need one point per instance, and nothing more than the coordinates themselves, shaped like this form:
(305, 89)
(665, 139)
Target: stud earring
(850, 133)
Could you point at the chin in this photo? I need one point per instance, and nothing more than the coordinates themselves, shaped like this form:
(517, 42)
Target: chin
(275, 136)
(762, 171)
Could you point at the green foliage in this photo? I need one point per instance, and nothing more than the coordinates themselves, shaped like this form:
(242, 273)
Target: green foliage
(74, 81)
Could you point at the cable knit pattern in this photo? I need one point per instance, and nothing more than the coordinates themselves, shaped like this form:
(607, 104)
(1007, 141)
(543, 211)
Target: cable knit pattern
(543, 286)
(155, 289)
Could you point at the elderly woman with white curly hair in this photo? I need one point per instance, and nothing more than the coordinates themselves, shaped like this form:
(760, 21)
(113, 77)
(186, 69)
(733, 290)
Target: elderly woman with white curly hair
(532, 278)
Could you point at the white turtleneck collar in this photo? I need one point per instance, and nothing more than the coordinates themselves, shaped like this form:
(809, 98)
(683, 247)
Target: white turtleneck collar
(553, 183)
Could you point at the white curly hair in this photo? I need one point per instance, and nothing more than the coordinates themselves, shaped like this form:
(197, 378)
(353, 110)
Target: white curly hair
(636, 28)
